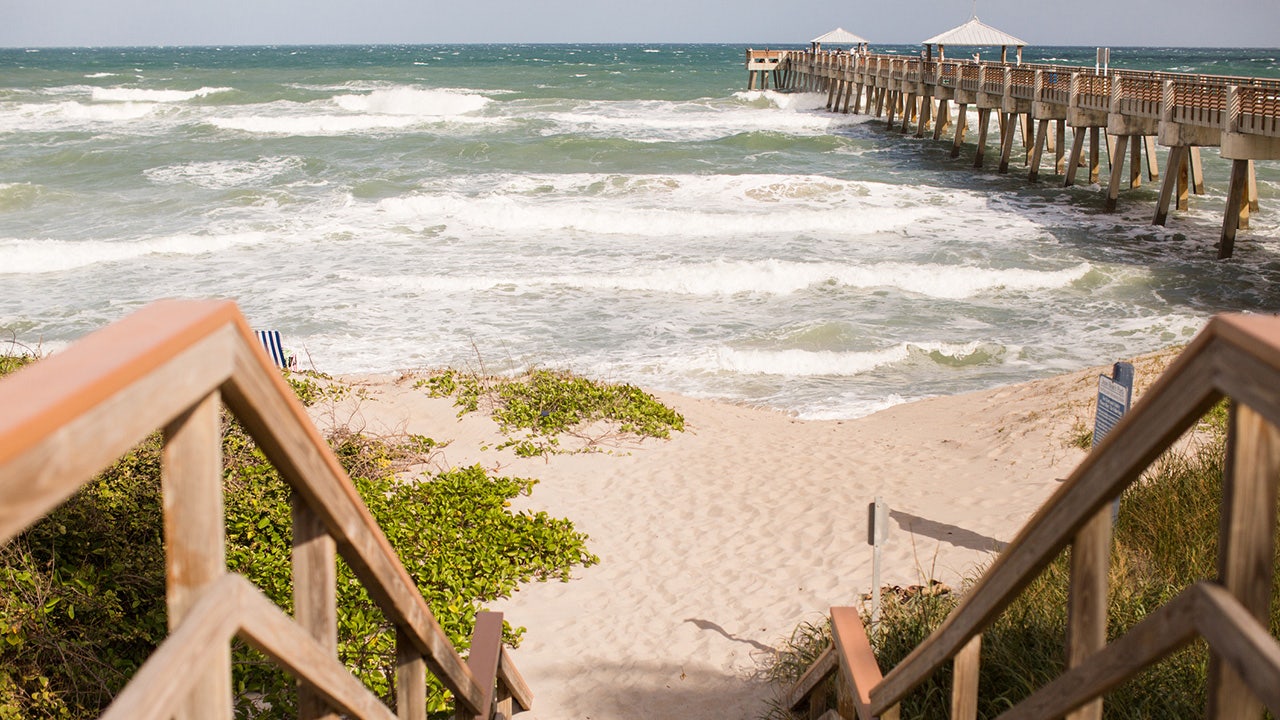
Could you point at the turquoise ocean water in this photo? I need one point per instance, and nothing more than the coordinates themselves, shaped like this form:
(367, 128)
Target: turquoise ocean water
(629, 212)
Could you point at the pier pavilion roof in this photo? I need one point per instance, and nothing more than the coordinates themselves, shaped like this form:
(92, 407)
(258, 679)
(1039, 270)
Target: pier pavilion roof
(974, 32)
(840, 36)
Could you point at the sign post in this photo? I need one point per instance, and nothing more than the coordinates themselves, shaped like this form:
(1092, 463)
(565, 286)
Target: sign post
(877, 532)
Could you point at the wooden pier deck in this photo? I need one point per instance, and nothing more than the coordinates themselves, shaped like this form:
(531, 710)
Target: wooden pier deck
(1136, 110)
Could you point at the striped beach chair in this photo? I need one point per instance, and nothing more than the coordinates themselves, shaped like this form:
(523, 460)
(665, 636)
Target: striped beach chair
(270, 340)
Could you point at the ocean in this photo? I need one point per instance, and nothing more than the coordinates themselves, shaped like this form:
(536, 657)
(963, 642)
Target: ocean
(628, 212)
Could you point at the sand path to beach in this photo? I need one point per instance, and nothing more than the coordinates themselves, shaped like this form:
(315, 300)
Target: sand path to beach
(716, 543)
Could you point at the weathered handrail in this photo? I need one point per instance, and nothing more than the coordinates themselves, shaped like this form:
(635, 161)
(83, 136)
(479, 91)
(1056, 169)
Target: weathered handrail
(167, 366)
(1236, 357)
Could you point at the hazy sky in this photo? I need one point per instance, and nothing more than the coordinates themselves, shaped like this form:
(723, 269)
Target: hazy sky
(1227, 23)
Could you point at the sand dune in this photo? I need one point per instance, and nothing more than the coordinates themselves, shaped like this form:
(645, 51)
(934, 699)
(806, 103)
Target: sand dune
(716, 543)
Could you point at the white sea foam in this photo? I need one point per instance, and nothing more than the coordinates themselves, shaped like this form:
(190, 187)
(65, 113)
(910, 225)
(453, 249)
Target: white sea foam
(313, 124)
(24, 257)
(217, 174)
(765, 277)
(810, 363)
(412, 101)
(136, 95)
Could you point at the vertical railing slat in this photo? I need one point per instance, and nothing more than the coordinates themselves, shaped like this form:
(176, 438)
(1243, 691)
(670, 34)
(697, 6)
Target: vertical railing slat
(1246, 545)
(1087, 601)
(411, 680)
(315, 588)
(964, 680)
(195, 540)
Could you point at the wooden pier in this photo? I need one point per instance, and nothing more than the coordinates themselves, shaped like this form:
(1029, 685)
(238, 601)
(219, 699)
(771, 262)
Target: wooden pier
(1135, 110)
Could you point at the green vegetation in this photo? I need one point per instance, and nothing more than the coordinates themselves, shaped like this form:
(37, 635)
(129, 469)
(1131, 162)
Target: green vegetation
(1165, 539)
(82, 591)
(547, 404)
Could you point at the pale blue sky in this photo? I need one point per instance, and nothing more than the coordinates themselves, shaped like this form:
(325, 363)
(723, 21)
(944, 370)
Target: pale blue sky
(1221, 23)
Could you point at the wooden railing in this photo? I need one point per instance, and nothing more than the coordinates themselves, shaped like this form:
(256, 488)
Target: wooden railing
(1127, 92)
(1236, 357)
(171, 366)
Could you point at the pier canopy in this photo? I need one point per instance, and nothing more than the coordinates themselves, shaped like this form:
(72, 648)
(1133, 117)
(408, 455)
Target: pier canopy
(974, 33)
(839, 36)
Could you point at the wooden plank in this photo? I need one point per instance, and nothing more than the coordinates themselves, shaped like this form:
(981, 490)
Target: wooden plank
(69, 384)
(857, 661)
(1178, 398)
(155, 691)
(195, 543)
(411, 680)
(1246, 545)
(1242, 642)
(1087, 600)
(964, 681)
(66, 417)
(486, 651)
(798, 694)
(258, 395)
(510, 678)
(315, 595)
(265, 627)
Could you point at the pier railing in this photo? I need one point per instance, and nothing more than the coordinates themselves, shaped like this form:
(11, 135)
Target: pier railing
(1140, 92)
(171, 366)
(1236, 357)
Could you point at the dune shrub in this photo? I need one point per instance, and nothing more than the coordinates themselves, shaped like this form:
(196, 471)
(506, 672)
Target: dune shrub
(82, 591)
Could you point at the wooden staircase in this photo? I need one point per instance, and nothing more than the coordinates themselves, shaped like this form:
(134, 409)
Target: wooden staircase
(1235, 357)
(172, 366)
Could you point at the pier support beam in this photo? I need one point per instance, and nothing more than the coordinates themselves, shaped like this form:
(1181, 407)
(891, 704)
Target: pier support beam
(1010, 125)
(1175, 179)
(1237, 208)
(943, 119)
(1117, 169)
(984, 121)
(962, 119)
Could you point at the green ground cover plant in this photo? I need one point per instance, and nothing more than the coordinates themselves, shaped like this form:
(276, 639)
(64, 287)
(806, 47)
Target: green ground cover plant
(1166, 538)
(547, 404)
(82, 591)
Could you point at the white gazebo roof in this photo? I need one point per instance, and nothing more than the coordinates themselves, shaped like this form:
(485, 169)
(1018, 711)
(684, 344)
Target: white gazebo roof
(840, 36)
(974, 32)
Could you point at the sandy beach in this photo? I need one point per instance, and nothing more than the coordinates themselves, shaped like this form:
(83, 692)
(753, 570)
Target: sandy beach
(715, 544)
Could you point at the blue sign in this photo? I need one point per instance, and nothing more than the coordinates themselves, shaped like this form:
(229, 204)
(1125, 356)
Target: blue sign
(1114, 395)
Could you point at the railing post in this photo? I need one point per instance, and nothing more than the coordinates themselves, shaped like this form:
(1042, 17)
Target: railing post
(411, 680)
(1246, 544)
(195, 539)
(315, 589)
(1087, 599)
(964, 681)
(486, 654)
